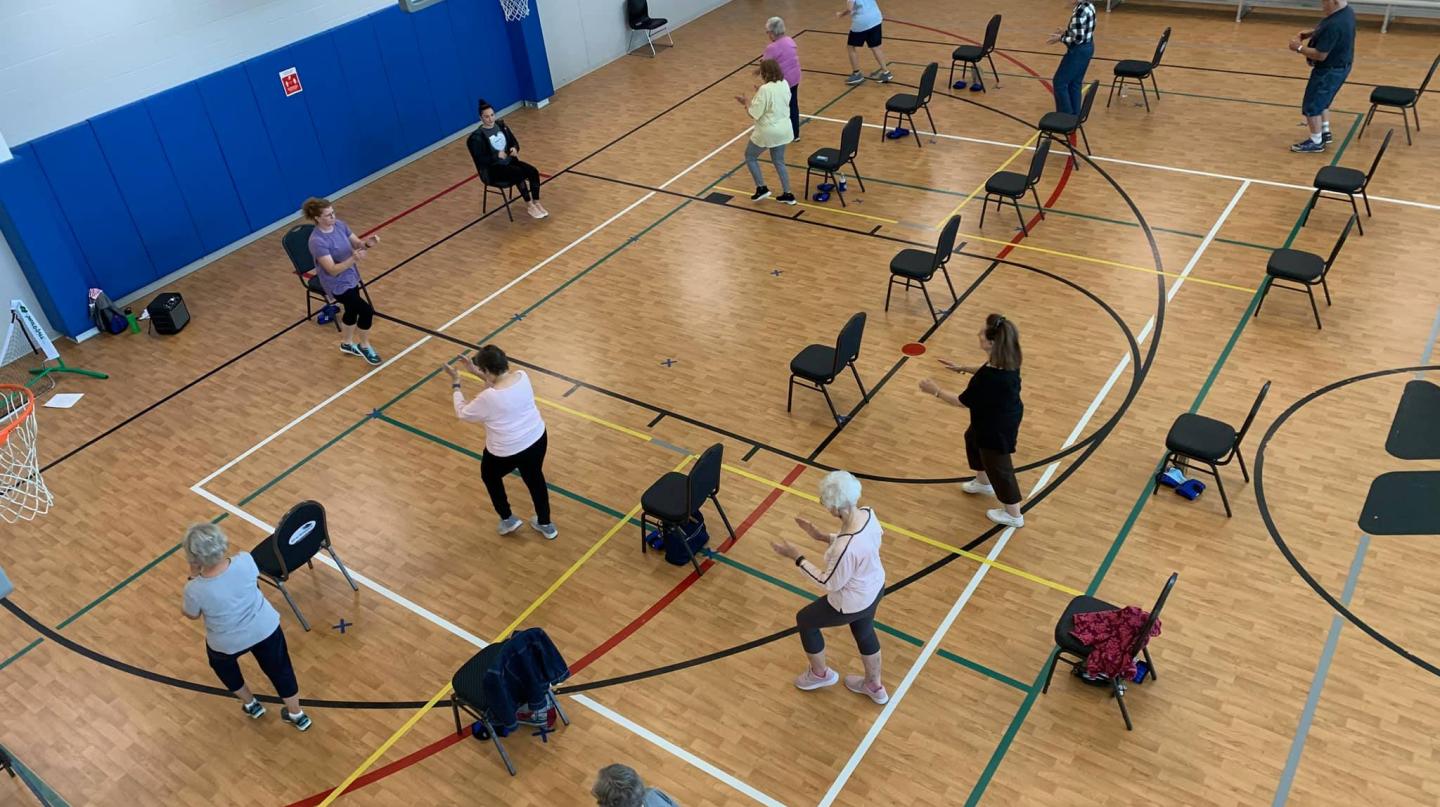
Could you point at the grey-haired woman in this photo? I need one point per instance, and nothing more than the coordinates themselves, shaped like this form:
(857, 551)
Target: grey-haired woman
(238, 620)
(621, 786)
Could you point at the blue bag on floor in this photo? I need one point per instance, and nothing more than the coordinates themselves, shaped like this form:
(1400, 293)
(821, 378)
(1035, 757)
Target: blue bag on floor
(693, 533)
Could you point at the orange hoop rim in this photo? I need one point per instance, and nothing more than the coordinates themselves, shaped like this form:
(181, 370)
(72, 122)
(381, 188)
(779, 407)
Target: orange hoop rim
(21, 414)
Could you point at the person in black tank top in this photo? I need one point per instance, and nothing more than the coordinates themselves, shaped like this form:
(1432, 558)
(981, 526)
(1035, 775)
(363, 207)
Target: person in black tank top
(993, 398)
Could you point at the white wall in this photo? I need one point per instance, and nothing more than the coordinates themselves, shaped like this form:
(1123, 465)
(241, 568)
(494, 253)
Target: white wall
(582, 35)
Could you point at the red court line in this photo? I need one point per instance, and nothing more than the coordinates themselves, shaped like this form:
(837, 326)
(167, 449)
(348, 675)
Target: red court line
(387, 222)
(589, 658)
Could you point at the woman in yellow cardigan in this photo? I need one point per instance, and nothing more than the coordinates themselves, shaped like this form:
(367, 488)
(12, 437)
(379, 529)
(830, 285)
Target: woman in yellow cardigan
(770, 107)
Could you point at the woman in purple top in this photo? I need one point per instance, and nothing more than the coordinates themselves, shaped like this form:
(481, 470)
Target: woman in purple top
(783, 50)
(337, 253)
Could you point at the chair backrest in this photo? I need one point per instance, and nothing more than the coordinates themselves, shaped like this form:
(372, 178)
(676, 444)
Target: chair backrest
(945, 247)
(704, 479)
(992, 33)
(927, 83)
(297, 246)
(850, 138)
(475, 144)
(1335, 253)
(847, 346)
(1384, 144)
(637, 11)
(1160, 49)
(1426, 83)
(300, 534)
(1088, 101)
(1037, 162)
(1144, 637)
(1250, 418)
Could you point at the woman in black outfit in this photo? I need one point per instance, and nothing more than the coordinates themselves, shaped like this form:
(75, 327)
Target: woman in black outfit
(993, 398)
(496, 152)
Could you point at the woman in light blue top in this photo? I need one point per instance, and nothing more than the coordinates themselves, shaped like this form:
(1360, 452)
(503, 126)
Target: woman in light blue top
(865, 31)
(238, 620)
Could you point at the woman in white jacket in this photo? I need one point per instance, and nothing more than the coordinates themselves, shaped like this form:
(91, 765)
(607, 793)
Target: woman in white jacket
(770, 107)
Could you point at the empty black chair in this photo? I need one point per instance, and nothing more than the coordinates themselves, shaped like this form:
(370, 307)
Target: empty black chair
(1062, 126)
(1338, 179)
(1138, 70)
(1402, 100)
(817, 366)
(517, 672)
(297, 246)
(1306, 269)
(827, 162)
(1010, 185)
(301, 535)
(675, 496)
(1197, 438)
(1072, 651)
(970, 56)
(637, 13)
(505, 190)
(915, 267)
(904, 105)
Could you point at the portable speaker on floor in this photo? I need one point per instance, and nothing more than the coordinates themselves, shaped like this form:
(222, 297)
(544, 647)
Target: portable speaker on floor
(168, 313)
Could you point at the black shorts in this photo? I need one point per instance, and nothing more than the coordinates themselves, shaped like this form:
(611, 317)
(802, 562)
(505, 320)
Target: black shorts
(869, 37)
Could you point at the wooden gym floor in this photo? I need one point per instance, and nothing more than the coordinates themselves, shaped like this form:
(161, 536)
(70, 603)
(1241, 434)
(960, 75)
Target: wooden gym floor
(659, 323)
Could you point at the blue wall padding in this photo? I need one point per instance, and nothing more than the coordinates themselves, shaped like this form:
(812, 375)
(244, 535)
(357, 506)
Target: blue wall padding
(199, 168)
(139, 192)
(147, 185)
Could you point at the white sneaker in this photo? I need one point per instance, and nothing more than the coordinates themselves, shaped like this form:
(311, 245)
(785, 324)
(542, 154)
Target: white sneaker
(856, 684)
(510, 525)
(975, 487)
(549, 531)
(999, 516)
(807, 680)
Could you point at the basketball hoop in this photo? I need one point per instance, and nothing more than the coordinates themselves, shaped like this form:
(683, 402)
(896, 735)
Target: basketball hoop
(515, 10)
(23, 494)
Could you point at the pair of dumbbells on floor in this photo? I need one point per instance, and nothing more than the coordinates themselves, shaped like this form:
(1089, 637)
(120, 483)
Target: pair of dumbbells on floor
(976, 87)
(824, 189)
(1173, 477)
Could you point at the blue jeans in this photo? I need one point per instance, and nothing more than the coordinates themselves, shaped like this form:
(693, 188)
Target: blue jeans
(1070, 77)
(1320, 90)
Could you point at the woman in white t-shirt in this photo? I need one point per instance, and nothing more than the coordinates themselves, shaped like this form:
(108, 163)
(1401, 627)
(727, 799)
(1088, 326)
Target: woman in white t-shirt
(514, 434)
(854, 581)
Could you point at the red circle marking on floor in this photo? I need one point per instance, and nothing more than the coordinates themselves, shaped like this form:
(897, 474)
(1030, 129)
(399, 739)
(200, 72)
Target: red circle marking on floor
(913, 349)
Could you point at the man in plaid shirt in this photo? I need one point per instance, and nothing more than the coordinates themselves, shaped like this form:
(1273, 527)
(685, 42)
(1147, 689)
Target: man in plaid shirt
(1079, 38)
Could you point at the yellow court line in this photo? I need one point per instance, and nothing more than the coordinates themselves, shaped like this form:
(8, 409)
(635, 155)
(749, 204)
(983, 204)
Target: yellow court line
(981, 186)
(415, 718)
(616, 426)
(822, 207)
(1105, 262)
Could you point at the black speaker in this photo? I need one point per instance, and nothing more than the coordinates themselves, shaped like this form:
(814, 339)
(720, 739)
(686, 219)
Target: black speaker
(168, 313)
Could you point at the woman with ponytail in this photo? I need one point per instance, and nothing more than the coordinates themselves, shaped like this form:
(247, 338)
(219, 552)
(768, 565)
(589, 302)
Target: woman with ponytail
(993, 398)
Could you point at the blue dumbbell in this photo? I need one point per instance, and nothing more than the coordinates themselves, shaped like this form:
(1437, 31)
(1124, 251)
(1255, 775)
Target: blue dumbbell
(822, 196)
(976, 87)
(897, 133)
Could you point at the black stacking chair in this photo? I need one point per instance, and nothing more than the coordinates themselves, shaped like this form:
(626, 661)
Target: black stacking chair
(1305, 269)
(970, 56)
(301, 535)
(297, 246)
(1138, 70)
(1400, 99)
(1205, 440)
(904, 105)
(492, 662)
(1338, 179)
(827, 162)
(817, 366)
(1010, 185)
(1074, 652)
(670, 502)
(916, 267)
(1062, 125)
(505, 190)
(637, 13)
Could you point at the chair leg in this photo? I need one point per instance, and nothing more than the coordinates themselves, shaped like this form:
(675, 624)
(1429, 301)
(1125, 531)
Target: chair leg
(1356, 208)
(929, 304)
(1305, 217)
(1119, 690)
(455, 707)
(914, 130)
(884, 125)
(280, 584)
(1406, 118)
(343, 570)
(694, 562)
(1364, 194)
(858, 382)
(1311, 294)
(993, 71)
(1111, 96)
(1366, 124)
(1264, 292)
(1021, 216)
(934, 130)
(856, 169)
(790, 393)
(1144, 96)
(830, 403)
(1220, 483)
(1156, 85)
(1241, 459)
(1038, 206)
(495, 738)
(1149, 665)
(889, 287)
(1050, 675)
(1086, 140)
(564, 718)
(806, 195)
(643, 524)
(1155, 484)
(714, 499)
(951, 83)
(651, 42)
(984, 204)
(946, 272)
(1325, 286)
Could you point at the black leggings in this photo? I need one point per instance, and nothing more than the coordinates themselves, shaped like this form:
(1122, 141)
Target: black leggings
(820, 614)
(357, 309)
(274, 657)
(493, 470)
(997, 466)
(524, 176)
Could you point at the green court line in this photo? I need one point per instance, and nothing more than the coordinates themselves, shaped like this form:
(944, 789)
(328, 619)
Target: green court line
(16, 657)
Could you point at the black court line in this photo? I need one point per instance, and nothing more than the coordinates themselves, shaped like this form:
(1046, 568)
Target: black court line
(568, 392)
(754, 449)
(657, 419)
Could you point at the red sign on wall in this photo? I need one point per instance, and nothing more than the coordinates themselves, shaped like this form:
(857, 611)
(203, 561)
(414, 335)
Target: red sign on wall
(290, 81)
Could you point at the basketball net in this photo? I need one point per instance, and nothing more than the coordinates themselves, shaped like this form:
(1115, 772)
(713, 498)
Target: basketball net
(515, 10)
(23, 494)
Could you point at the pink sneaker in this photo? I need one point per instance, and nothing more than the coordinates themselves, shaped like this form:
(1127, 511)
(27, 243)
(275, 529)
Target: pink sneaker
(807, 680)
(856, 684)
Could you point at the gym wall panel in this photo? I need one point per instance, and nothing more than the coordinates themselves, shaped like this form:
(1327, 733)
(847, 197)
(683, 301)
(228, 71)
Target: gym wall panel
(146, 182)
(86, 191)
(453, 106)
(378, 141)
(199, 168)
(288, 122)
(42, 243)
(485, 55)
(333, 113)
(230, 105)
(399, 52)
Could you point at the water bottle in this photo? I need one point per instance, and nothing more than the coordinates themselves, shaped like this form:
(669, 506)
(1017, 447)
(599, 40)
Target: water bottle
(130, 319)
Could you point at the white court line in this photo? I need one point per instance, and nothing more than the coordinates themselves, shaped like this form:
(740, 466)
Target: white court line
(934, 643)
(467, 312)
(584, 700)
(1174, 169)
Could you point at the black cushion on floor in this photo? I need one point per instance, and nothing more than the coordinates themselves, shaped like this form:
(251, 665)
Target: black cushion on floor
(1392, 96)
(1403, 503)
(469, 680)
(1415, 432)
(913, 263)
(902, 102)
(815, 363)
(666, 498)
(824, 159)
(967, 53)
(1080, 605)
(1292, 264)
(650, 23)
(1007, 183)
(1132, 68)
(1062, 122)
(1200, 437)
(314, 285)
(1339, 179)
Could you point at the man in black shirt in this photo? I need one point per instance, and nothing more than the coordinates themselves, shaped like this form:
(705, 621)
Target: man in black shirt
(1330, 52)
